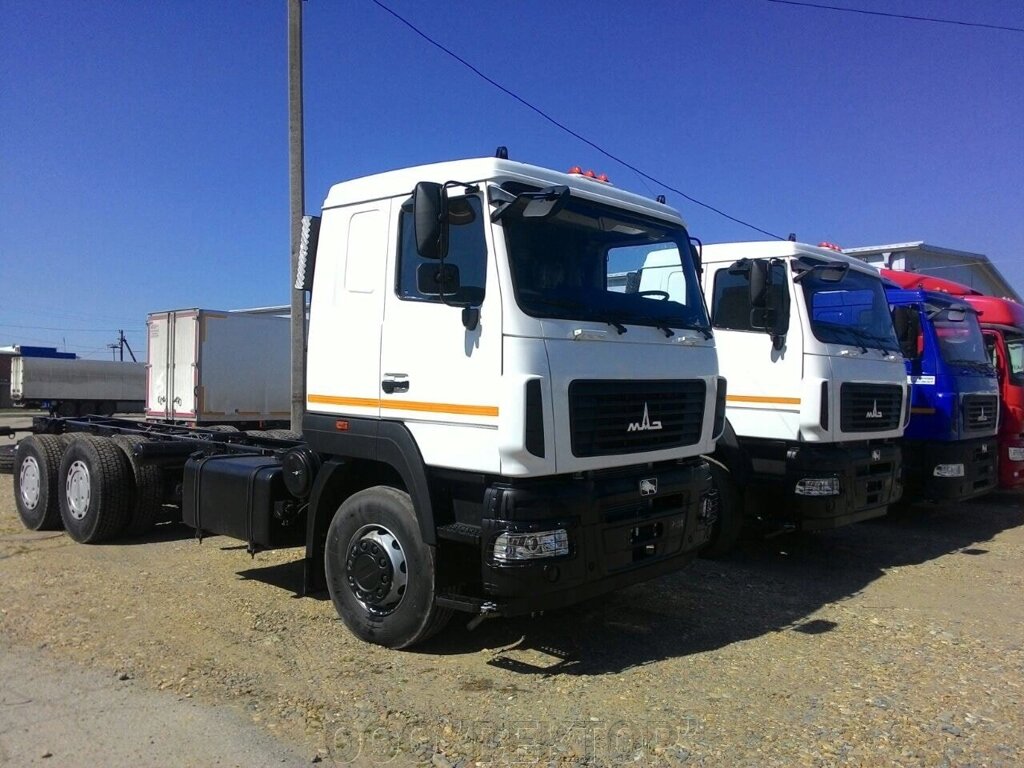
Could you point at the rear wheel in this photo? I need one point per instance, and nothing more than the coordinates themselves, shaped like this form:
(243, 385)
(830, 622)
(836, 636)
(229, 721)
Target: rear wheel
(95, 492)
(725, 531)
(146, 508)
(283, 434)
(36, 482)
(380, 573)
(217, 428)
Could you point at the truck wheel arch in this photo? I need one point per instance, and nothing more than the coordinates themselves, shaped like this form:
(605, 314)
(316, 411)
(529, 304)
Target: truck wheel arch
(353, 462)
(729, 454)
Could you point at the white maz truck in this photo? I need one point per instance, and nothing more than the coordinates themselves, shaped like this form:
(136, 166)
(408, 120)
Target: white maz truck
(490, 427)
(818, 394)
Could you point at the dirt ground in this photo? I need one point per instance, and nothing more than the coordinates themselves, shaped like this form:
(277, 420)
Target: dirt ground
(895, 642)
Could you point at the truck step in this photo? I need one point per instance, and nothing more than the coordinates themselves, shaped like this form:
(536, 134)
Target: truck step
(461, 532)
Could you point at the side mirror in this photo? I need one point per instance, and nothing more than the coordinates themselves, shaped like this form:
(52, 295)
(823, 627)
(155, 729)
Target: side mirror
(907, 323)
(430, 218)
(697, 249)
(437, 279)
(760, 279)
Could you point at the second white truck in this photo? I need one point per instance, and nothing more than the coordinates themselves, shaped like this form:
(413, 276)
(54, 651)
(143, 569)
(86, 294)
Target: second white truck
(818, 394)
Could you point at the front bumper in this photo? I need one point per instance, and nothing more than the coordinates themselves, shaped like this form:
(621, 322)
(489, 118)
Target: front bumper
(619, 532)
(1011, 470)
(921, 457)
(869, 481)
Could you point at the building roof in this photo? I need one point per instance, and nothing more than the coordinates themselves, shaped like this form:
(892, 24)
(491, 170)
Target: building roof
(977, 263)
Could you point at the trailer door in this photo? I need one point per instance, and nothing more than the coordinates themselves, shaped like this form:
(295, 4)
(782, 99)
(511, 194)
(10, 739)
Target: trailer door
(183, 356)
(158, 365)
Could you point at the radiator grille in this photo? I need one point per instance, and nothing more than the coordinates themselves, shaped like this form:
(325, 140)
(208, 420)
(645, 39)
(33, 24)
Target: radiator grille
(870, 407)
(980, 412)
(617, 417)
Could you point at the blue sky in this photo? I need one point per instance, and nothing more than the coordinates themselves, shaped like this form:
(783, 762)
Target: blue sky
(143, 145)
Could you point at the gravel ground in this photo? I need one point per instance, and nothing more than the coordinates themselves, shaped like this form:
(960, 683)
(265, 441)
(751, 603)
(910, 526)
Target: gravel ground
(896, 642)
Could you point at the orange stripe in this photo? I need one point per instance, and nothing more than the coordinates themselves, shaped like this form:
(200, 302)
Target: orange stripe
(923, 410)
(760, 399)
(407, 405)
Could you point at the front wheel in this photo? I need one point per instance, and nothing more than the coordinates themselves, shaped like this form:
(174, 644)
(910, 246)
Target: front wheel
(380, 573)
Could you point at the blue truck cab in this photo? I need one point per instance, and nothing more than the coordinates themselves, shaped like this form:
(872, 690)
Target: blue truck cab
(950, 444)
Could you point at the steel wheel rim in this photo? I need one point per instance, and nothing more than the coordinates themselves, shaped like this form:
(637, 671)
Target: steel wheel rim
(29, 482)
(376, 570)
(79, 489)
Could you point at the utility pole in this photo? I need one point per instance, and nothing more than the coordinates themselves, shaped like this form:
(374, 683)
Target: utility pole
(298, 208)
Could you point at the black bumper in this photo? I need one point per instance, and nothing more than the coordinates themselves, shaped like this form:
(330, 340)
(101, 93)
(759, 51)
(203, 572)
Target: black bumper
(617, 536)
(977, 456)
(869, 481)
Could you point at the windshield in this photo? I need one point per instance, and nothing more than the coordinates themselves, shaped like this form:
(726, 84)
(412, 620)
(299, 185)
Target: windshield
(1015, 357)
(851, 311)
(960, 341)
(583, 263)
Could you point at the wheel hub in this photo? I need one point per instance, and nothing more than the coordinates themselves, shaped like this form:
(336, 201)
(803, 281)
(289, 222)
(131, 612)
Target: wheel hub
(376, 569)
(28, 479)
(79, 489)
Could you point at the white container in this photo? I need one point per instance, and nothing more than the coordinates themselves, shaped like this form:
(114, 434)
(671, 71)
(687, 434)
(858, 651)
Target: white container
(207, 366)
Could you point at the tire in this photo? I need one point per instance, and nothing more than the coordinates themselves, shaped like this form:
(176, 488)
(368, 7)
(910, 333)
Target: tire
(217, 428)
(37, 482)
(374, 544)
(727, 528)
(95, 489)
(284, 434)
(146, 505)
(256, 433)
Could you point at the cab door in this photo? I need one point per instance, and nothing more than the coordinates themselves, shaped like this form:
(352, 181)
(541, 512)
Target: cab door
(764, 396)
(441, 372)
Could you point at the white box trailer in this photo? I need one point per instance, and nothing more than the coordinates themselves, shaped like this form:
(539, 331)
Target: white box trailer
(213, 367)
(75, 387)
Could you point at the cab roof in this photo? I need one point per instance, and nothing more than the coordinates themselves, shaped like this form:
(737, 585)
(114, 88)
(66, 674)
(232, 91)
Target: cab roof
(491, 169)
(778, 249)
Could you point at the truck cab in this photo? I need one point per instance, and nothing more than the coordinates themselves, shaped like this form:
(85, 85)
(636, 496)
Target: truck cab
(949, 447)
(1002, 323)
(818, 396)
(528, 436)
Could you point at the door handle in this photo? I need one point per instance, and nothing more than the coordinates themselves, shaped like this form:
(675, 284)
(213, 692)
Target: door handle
(395, 382)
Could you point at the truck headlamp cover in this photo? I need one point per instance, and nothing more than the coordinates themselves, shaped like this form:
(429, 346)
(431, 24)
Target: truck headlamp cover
(511, 547)
(1015, 454)
(948, 470)
(817, 486)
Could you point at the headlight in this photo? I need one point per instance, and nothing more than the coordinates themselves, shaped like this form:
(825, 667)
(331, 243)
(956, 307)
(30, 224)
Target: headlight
(1015, 454)
(509, 547)
(818, 486)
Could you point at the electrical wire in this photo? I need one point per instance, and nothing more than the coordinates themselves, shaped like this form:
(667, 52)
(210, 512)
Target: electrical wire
(897, 15)
(68, 330)
(566, 128)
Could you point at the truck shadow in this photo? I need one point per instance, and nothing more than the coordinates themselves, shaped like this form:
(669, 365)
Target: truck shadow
(766, 586)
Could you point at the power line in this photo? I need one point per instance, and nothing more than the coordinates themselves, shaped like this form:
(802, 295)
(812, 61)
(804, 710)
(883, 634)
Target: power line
(566, 128)
(898, 15)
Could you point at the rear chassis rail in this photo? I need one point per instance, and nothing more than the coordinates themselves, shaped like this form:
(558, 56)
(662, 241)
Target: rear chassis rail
(167, 444)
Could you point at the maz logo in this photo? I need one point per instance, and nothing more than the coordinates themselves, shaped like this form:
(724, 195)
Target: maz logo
(982, 417)
(649, 487)
(874, 413)
(645, 423)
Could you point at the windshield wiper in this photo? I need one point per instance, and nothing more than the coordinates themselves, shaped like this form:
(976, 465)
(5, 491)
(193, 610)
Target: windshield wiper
(860, 335)
(617, 326)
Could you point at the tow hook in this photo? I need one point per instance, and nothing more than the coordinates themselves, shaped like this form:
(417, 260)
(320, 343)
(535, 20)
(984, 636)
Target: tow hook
(487, 611)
